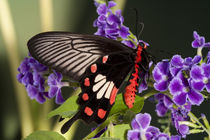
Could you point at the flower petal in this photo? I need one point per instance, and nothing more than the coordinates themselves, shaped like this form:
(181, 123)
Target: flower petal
(111, 4)
(52, 91)
(164, 67)
(133, 135)
(40, 98)
(124, 32)
(135, 124)
(162, 86)
(174, 71)
(157, 75)
(183, 129)
(32, 91)
(59, 98)
(208, 87)
(177, 61)
(128, 43)
(143, 120)
(102, 9)
(196, 59)
(152, 130)
(196, 73)
(113, 19)
(195, 44)
(167, 101)
(206, 69)
(197, 85)
(207, 44)
(162, 136)
(175, 86)
(195, 35)
(177, 137)
(180, 99)
(161, 109)
(195, 97)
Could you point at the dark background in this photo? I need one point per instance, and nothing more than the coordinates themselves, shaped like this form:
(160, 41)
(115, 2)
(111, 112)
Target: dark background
(169, 27)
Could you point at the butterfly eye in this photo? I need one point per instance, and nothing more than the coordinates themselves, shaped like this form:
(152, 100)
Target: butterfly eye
(142, 44)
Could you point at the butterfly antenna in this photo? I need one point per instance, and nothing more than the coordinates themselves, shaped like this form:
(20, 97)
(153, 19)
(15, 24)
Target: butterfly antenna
(141, 24)
(68, 124)
(138, 24)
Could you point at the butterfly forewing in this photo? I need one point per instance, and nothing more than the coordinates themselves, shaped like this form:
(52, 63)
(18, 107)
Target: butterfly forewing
(72, 53)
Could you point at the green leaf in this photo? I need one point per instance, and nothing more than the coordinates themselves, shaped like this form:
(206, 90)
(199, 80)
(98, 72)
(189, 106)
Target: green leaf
(120, 107)
(67, 109)
(120, 131)
(44, 135)
(102, 126)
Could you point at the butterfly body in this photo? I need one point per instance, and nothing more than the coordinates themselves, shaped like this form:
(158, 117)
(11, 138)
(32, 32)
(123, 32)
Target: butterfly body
(98, 63)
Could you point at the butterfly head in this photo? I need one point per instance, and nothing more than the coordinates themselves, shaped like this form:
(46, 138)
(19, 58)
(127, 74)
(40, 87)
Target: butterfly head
(143, 44)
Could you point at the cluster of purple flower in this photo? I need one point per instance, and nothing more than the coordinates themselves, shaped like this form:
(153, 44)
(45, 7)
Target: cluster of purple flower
(32, 75)
(110, 24)
(185, 79)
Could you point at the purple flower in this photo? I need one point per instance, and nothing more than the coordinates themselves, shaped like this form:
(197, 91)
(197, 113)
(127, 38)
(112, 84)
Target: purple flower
(178, 115)
(161, 75)
(200, 77)
(175, 137)
(181, 90)
(162, 136)
(31, 75)
(128, 43)
(164, 104)
(143, 85)
(142, 129)
(199, 41)
(110, 24)
(208, 58)
(55, 84)
(178, 63)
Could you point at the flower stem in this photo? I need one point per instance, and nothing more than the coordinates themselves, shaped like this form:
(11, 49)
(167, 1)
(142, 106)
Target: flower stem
(199, 52)
(149, 94)
(194, 118)
(9, 38)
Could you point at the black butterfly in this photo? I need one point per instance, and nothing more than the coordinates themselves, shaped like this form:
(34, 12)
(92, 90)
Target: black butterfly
(98, 63)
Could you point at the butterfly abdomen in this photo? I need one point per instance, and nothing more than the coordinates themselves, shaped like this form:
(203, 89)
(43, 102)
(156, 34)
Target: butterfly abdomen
(131, 89)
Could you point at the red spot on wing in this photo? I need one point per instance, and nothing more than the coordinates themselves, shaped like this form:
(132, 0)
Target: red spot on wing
(88, 111)
(85, 96)
(101, 113)
(105, 59)
(113, 95)
(87, 82)
(93, 68)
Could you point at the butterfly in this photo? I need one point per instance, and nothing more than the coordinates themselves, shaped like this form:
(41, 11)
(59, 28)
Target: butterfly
(99, 64)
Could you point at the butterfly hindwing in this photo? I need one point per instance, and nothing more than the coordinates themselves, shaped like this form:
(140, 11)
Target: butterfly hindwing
(100, 85)
(71, 53)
